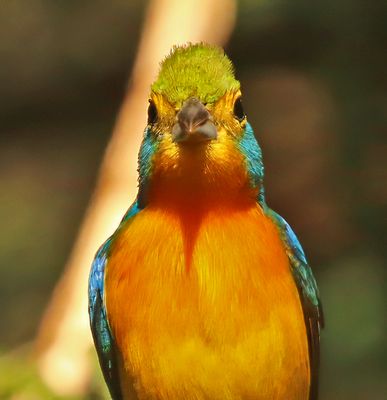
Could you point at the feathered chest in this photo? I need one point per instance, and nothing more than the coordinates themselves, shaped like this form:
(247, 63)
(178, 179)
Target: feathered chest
(205, 307)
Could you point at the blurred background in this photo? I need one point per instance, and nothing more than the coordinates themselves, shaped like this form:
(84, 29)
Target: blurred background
(314, 81)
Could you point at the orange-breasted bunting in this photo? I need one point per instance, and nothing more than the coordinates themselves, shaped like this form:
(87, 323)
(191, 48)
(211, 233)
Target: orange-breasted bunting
(203, 291)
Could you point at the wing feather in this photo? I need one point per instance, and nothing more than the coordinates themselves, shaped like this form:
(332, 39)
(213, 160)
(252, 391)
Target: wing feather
(309, 295)
(103, 339)
(102, 335)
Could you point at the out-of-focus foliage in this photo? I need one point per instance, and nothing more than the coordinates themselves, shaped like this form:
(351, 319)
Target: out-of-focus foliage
(19, 380)
(314, 82)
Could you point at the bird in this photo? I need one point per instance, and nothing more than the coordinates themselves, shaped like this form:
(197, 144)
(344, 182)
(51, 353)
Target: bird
(203, 292)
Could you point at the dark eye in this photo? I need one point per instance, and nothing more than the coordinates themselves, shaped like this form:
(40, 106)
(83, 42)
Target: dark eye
(238, 110)
(152, 112)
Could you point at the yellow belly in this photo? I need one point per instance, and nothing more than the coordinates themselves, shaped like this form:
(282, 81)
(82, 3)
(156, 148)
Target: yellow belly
(206, 309)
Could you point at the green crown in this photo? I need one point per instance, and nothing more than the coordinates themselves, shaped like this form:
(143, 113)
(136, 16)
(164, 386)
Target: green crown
(198, 70)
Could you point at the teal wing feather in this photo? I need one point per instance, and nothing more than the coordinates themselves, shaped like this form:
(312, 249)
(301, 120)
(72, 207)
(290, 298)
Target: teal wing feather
(309, 294)
(103, 338)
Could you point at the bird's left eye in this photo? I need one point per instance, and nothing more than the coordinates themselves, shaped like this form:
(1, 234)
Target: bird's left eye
(152, 112)
(238, 110)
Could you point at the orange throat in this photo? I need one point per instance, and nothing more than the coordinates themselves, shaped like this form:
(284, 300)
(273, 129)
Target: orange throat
(191, 204)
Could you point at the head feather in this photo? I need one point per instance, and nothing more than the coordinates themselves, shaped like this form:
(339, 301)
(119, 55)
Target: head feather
(195, 70)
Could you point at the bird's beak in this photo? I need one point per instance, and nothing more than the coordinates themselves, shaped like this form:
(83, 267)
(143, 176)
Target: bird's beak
(193, 123)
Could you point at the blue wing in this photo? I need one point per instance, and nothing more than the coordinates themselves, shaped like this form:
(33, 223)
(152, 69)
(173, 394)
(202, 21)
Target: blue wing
(103, 338)
(309, 294)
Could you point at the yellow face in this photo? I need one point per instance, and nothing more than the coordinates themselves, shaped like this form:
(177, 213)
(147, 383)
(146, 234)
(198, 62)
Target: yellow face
(216, 163)
(223, 114)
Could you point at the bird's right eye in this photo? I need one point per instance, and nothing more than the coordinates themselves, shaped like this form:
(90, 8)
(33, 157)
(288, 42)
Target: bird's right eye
(152, 113)
(238, 110)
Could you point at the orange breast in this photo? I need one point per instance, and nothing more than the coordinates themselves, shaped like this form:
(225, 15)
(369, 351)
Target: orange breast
(205, 307)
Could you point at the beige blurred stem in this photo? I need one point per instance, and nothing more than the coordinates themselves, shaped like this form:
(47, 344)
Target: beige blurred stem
(64, 338)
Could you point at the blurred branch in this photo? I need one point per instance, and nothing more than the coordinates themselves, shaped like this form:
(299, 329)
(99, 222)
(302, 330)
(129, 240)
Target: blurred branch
(64, 339)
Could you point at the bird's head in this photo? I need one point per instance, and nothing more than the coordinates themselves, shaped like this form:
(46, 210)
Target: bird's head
(198, 141)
